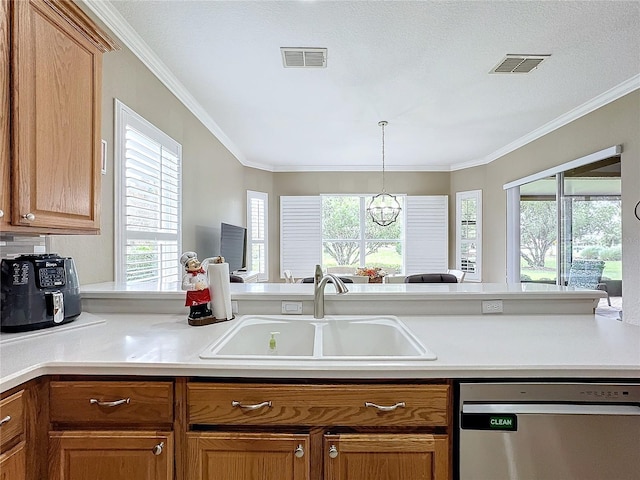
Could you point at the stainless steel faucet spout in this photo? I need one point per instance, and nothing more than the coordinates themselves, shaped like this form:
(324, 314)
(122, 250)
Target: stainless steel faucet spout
(319, 283)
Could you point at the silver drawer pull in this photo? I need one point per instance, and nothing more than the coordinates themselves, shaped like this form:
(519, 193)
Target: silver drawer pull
(115, 403)
(5, 420)
(157, 450)
(333, 451)
(382, 408)
(250, 407)
(299, 452)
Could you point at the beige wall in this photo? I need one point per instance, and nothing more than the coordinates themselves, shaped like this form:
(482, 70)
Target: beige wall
(214, 182)
(315, 183)
(613, 124)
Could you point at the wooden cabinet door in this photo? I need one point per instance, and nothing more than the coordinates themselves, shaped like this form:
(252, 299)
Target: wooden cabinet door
(12, 464)
(386, 457)
(57, 83)
(248, 456)
(108, 455)
(4, 116)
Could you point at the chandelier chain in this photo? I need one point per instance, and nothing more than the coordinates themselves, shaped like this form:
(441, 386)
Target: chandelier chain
(382, 124)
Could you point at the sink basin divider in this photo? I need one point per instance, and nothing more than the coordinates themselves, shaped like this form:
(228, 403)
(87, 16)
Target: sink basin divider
(317, 340)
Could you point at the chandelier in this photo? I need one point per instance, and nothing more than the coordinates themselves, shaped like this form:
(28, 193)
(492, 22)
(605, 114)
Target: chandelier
(383, 208)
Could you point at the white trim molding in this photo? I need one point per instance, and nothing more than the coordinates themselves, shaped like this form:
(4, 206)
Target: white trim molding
(578, 162)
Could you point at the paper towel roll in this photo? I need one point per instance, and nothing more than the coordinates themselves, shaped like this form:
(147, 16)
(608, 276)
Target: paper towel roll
(220, 292)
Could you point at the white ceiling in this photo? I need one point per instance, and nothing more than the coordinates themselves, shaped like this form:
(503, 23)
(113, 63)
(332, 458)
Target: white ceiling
(421, 65)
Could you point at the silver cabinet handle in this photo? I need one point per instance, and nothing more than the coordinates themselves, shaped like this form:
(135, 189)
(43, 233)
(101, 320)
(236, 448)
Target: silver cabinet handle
(5, 420)
(115, 403)
(383, 408)
(250, 407)
(157, 450)
(1, 213)
(333, 451)
(299, 452)
(30, 217)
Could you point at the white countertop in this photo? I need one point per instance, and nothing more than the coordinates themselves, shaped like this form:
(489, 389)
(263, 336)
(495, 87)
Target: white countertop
(403, 290)
(469, 346)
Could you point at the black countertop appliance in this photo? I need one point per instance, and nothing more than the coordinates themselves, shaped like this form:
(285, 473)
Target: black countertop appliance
(38, 291)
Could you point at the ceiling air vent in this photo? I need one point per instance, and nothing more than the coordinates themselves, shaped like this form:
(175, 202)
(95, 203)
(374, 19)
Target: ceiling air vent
(518, 63)
(304, 57)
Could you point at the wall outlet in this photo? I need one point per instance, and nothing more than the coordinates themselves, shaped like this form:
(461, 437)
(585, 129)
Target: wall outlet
(492, 306)
(234, 306)
(291, 308)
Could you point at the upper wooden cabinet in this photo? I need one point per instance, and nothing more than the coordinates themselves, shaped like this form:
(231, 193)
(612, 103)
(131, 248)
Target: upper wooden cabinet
(52, 118)
(4, 119)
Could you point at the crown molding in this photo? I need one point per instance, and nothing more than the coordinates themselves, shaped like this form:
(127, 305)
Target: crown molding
(121, 28)
(601, 100)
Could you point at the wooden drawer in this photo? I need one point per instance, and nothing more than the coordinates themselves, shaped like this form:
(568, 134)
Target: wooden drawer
(13, 463)
(329, 405)
(111, 402)
(11, 417)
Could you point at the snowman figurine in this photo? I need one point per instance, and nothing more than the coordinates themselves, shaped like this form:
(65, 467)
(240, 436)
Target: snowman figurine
(194, 281)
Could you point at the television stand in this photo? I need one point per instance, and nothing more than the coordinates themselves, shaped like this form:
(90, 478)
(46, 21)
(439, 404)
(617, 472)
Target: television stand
(247, 276)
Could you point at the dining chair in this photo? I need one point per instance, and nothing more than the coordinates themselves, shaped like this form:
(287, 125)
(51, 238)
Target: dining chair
(310, 280)
(288, 276)
(459, 274)
(431, 278)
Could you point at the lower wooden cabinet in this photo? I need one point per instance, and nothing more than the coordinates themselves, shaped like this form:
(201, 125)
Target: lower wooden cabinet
(110, 455)
(248, 456)
(386, 457)
(145, 429)
(12, 463)
(281, 456)
(318, 431)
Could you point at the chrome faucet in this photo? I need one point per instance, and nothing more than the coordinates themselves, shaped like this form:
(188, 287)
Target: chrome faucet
(319, 282)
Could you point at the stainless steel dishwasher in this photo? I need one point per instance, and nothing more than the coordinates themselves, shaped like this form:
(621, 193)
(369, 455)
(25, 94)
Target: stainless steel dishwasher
(549, 431)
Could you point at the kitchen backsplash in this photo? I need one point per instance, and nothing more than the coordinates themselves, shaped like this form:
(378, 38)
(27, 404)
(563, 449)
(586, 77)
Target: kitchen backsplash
(12, 245)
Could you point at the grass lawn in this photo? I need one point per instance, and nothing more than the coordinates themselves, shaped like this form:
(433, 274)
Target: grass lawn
(386, 258)
(612, 270)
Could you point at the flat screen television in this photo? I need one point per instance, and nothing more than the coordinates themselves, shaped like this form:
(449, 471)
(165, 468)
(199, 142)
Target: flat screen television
(233, 246)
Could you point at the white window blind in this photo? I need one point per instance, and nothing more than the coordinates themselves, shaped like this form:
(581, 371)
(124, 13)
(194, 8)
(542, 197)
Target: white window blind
(469, 234)
(149, 200)
(300, 235)
(257, 233)
(426, 234)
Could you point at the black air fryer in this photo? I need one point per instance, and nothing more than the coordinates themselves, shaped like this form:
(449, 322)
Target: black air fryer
(38, 291)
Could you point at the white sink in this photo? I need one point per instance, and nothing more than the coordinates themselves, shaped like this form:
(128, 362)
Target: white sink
(331, 338)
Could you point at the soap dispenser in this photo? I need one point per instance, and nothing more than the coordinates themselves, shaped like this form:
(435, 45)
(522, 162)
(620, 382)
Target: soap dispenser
(273, 347)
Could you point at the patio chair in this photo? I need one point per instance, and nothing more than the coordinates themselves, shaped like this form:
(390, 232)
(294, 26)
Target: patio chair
(587, 274)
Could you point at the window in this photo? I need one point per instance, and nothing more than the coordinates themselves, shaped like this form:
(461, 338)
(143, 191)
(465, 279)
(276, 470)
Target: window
(469, 234)
(351, 239)
(257, 233)
(333, 230)
(568, 213)
(148, 214)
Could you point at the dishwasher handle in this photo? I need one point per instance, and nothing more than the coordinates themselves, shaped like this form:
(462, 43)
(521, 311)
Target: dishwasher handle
(550, 409)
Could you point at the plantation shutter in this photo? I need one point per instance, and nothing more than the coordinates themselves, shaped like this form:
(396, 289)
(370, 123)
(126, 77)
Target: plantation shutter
(300, 234)
(149, 213)
(426, 234)
(257, 233)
